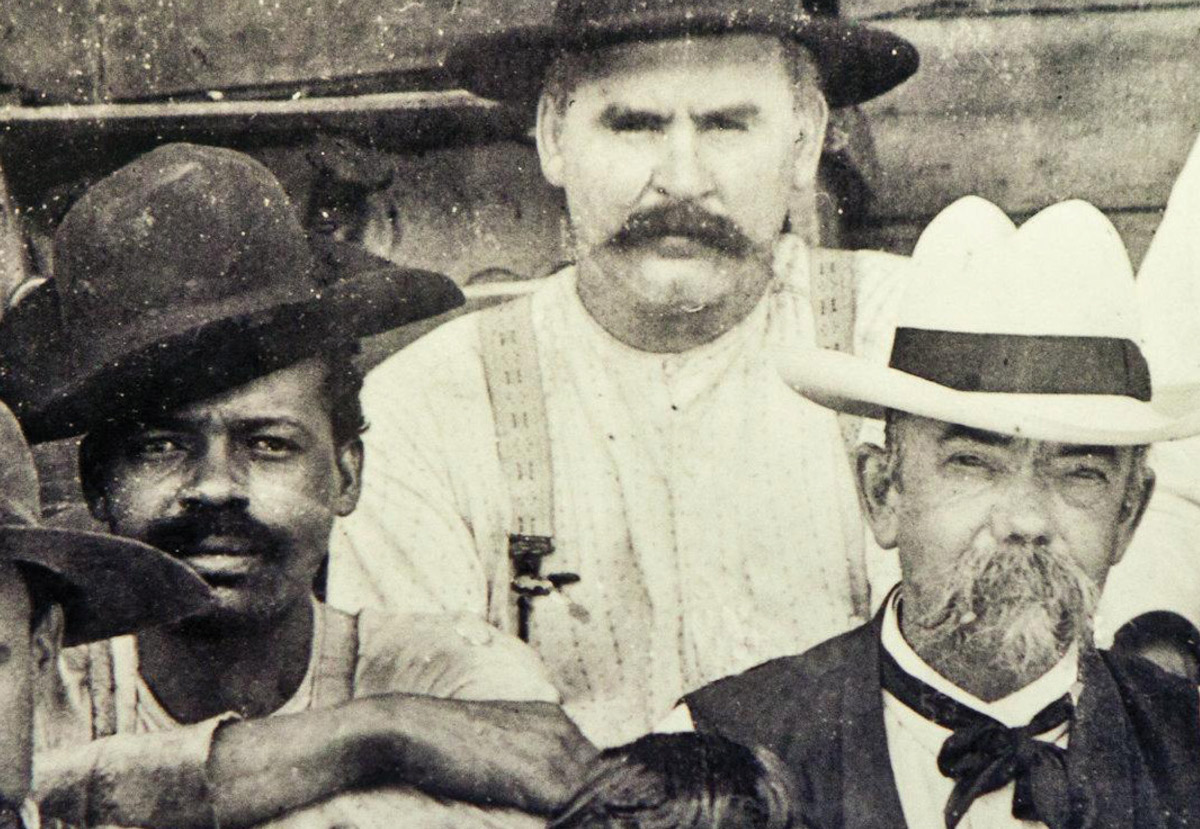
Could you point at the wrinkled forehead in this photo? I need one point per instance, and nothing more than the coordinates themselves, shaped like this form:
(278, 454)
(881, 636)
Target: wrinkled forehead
(913, 432)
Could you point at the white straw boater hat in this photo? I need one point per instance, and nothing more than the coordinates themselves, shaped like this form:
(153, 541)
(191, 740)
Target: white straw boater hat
(1031, 332)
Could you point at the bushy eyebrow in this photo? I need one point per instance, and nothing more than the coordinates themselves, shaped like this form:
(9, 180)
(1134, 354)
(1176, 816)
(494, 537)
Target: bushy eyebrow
(740, 113)
(249, 424)
(1076, 450)
(616, 116)
(619, 115)
(956, 431)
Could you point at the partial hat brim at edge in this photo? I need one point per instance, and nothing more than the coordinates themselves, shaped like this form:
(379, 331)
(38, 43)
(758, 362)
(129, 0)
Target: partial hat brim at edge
(856, 62)
(850, 384)
(116, 585)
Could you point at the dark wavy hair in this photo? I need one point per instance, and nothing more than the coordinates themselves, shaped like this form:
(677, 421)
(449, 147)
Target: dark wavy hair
(682, 781)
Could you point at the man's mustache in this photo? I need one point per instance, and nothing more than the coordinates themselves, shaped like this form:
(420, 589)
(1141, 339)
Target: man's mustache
(1029, 600)
(182, 535)
(681, 219)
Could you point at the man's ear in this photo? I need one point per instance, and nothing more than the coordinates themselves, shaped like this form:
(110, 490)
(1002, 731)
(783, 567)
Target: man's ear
(877, 492)
(349, 469)
(810, 143)
(548, 133)
(47, 639)
(1132, 509)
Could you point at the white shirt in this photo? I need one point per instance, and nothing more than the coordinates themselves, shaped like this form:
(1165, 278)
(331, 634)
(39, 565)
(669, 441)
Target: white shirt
(707, 507)
(914, 742)
(152, 753)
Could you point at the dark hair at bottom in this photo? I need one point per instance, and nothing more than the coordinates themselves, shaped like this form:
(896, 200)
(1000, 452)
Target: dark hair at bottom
(682, 781)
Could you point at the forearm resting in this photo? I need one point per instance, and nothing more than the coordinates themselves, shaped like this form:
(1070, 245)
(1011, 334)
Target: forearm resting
(523, 755)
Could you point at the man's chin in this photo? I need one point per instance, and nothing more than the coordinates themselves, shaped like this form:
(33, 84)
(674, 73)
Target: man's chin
(679, 286)
(1019, 636)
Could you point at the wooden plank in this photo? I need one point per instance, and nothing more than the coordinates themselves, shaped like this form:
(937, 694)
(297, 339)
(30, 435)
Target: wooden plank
(189, 45)
(50, 146)
(875, 10)
(1028, 110)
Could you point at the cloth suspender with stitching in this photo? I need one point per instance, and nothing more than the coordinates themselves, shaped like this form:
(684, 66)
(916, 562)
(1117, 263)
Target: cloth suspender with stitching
(510, 365)
(514, 379)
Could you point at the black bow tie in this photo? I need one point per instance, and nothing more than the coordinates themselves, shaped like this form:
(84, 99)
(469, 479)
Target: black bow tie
(983, 755)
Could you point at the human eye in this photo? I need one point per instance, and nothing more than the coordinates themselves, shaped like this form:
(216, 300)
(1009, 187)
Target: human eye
(154, 446)
(724, 122)
(1084, 472)
(969, 461)
(272, 446)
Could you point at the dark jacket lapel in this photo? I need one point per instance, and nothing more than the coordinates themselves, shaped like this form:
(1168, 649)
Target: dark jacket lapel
(869, 796)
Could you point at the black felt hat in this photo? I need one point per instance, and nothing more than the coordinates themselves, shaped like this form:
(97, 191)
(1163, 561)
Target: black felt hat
(183, 274)
(856, 62)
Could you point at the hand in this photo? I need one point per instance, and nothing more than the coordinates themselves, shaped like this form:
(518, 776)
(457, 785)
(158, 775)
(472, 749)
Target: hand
(527, 755)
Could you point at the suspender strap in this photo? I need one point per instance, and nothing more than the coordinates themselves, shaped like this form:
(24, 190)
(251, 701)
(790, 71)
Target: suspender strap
(333, 683)
(832, 287)
(510, 364)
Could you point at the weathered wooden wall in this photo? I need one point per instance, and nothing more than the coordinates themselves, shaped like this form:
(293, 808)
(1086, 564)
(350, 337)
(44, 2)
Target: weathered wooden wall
(1027, 107)
(1025, 102)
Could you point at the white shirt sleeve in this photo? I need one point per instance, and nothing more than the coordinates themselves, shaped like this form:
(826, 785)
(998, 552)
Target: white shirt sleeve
(409, 546)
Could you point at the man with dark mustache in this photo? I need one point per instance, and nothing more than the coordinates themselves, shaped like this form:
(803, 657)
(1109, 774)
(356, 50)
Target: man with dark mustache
(203, 348)
(612, 467)
(1012, 478)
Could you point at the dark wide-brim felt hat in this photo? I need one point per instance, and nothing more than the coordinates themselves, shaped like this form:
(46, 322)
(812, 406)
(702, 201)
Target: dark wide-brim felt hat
(181, 275)
(107, 586)
(856, 62)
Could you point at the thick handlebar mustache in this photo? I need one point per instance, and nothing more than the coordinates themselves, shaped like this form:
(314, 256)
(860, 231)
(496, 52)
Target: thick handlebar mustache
(681, 220)
(181, 534)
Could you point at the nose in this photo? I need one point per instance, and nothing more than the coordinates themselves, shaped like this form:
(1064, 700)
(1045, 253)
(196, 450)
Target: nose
(215, 480)
(681, 173)
(1022, 512)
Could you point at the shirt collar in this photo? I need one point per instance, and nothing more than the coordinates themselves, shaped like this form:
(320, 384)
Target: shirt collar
(1014, 710)
(30, 816)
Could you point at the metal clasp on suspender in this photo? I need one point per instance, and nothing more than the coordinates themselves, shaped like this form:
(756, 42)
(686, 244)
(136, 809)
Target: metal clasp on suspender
(527, 552)
(510, 362)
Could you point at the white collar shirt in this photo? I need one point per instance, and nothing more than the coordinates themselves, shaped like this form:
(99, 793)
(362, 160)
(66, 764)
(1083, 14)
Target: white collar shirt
(914, 742)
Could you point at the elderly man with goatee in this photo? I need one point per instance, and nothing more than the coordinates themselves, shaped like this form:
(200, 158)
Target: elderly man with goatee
(1013, 475)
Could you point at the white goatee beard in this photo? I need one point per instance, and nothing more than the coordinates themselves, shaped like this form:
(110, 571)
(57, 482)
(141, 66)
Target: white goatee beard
(1020, 605)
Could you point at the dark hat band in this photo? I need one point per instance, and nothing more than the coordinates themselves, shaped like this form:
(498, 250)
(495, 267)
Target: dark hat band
(1021, 364)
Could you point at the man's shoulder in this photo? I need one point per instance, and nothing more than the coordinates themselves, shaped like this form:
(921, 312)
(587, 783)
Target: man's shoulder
(445, 352)
(1148, 689)
(445, 655)
(822, 666)
(456, 346)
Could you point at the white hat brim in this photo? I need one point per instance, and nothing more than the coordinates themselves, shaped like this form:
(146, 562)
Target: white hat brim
(853, 385)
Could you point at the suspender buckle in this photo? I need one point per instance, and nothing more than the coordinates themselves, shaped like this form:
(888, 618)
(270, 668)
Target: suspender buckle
(527, 552)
